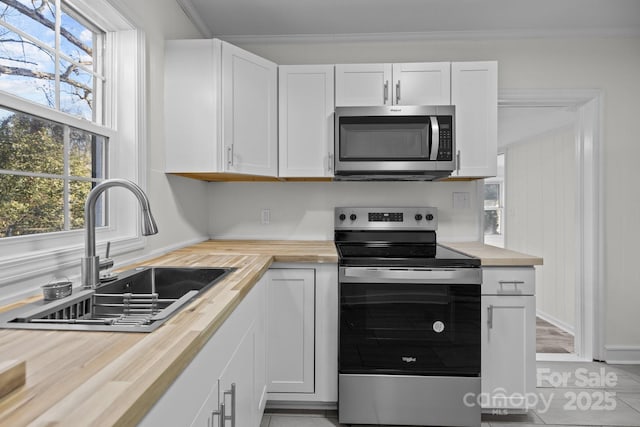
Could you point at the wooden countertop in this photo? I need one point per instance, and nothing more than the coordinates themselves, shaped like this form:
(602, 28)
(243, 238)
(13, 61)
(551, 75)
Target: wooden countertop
(493, 256)
(318, 251)
(114, 378)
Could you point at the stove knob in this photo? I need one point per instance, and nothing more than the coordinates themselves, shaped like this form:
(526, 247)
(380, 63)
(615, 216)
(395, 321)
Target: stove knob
(418, 217)
(353, 217)
(429, 217)
(342, 217)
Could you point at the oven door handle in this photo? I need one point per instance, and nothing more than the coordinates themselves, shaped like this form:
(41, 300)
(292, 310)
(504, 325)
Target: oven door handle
(412, 275)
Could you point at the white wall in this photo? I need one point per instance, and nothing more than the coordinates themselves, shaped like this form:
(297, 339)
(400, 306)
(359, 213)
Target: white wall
(540, 216)
(304, 210)
(178, 204)
(609, 64)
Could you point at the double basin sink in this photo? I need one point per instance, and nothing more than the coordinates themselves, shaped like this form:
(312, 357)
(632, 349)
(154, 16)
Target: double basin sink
(138, 300)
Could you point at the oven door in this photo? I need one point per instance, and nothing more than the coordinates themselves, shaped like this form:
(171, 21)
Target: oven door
(409, 321)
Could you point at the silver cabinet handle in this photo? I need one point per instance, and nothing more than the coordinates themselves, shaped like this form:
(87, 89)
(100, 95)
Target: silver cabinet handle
(230, 156)
(386, 91)
(398, 92)
(458, 162)
(330, 162)
(490, 316)
(514, 283)
(231, 392)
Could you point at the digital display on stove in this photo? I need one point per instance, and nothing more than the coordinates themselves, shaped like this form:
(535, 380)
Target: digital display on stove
(385, 217)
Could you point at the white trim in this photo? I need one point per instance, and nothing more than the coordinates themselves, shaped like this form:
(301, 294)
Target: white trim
(590, 312)
(560, 357)
(14, 102)
(191, 12)
(407, 36)
(108, 18)
(556, 322)
(622, 354)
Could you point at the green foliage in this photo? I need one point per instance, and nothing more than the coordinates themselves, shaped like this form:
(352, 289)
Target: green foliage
(31, 204)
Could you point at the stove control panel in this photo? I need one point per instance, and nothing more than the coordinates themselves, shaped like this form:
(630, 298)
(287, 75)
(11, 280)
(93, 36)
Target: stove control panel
(388, 218)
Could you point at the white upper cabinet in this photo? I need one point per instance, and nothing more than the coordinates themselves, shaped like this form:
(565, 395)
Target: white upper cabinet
(249, 112)
(192, 106)
(418, 83)
(363, 84)
(305, 120)
(474, 92)
(422, 83)
(220, 109)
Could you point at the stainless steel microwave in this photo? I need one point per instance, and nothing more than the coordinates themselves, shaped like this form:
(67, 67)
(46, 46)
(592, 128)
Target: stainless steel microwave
(395, 142)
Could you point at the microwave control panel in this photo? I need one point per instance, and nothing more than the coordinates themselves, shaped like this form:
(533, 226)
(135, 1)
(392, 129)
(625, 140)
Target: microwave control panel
(445, 150)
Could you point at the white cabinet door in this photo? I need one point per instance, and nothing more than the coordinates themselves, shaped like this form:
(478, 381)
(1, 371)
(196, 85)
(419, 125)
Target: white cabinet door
(249, 113)
(236, 384)
(426, 83)
(192, 106)
(474, 92)
(508, 350)
(290, 330)
(363, 85)
(305, 120)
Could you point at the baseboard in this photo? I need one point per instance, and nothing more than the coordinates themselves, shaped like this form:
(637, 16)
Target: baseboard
(556, 322)
(622, 354)
(309, 407)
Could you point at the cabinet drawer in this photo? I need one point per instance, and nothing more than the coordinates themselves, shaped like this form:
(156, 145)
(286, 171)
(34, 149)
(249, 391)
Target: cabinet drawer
(508, 281)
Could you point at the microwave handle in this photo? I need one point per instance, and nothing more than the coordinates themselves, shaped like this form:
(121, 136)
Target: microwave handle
(435, 138)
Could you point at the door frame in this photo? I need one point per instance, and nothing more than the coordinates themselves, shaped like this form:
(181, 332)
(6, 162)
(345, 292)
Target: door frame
(590, 298)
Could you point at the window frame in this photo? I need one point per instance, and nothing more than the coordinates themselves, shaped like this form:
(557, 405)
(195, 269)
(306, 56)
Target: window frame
(44, 255)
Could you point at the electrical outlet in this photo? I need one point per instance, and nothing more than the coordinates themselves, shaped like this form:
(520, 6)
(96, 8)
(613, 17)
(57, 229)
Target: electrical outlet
(265, 216)
(461, 200)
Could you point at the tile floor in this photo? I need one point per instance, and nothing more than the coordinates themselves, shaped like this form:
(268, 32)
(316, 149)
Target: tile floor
(575, 394)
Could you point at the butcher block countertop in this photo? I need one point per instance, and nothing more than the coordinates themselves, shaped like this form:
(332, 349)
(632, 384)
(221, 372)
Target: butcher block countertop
(493, 256)
(114, 378)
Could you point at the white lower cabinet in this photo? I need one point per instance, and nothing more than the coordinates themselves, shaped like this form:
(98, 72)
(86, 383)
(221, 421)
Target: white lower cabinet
(229, 372)
(291, 330)
(302, 335)
(508, 338)
(282, 338)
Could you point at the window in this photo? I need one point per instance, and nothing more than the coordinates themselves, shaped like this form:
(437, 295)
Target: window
(494, 207)
(71, 115)
(51, 56)
(46, 172)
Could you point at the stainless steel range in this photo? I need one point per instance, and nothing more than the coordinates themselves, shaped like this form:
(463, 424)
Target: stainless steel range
(409, 339)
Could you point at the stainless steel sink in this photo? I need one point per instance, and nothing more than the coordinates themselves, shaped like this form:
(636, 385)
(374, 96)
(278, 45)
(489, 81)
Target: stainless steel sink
(139, 300)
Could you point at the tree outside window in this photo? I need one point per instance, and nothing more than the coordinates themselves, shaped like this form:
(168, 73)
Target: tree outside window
(51, 56)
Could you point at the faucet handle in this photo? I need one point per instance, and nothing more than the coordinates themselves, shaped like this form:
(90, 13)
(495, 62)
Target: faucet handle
(106, 264)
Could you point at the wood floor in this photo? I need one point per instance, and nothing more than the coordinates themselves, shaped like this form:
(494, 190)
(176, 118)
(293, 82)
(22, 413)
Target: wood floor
(551, 339)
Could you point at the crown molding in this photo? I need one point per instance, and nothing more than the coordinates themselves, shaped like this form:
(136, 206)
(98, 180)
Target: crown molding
(430, 36)
(189, 9)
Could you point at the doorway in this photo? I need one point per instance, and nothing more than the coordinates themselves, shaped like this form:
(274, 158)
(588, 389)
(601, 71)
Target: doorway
(544, 202)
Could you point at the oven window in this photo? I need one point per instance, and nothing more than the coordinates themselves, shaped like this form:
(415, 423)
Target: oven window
(414, 329)
(384, 138)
